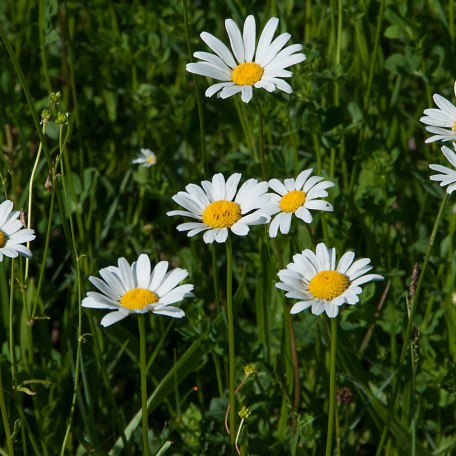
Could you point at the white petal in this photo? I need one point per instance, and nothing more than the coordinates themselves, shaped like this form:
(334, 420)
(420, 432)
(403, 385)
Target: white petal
(249, 35)
(219, 48)
(237, 44)
(113, 317)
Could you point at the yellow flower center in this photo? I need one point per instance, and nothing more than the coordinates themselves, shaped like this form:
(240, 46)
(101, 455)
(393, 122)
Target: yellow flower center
(292, 201)
(222, 214)
(454, 126)
(3, 239)
(151, 159)
(247, 74)
(328, 284)
(138, 298)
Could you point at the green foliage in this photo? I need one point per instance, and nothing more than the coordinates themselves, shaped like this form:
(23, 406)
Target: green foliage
(118, 69)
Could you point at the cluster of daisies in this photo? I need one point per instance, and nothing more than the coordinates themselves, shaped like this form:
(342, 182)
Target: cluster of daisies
(219, 207)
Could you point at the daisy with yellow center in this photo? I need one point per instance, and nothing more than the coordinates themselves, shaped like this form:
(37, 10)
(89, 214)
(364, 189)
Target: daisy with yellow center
(314, 279)
(442, 121)
(220, 207)
(247, 66)
(296, 197)
(13, 233)
(136, 288)
(146, 158)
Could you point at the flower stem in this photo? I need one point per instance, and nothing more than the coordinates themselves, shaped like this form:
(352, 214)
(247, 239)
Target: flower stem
(413, 306)
(229, 304)
(142, 367)
(332, 386)
(261, 139)
(6, 425)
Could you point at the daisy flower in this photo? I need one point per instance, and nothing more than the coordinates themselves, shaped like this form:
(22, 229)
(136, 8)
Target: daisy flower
(219, 207)
(129, 289)
(12, 233)
(442, 121)
(146, 158)
(318, 283)
(246, 66)
(448, 176)
(297, 197)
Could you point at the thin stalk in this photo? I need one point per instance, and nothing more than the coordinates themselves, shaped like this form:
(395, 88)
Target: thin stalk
(261, 139)
(6, 426)
(142, 367)
(451, 18)
(30, 199)
(229, 304)
(332, 386)
(413, 306)
(11, 332)
(42, 33)
(199, 102)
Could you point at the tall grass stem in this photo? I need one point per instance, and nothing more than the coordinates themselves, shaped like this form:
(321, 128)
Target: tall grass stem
(332, 386)
(142, 367)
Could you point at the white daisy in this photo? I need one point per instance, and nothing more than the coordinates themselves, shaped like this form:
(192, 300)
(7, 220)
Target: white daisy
(12, 233)
(442, 120)
(241, 75)
(314, 279)
(136, 289)
(146, 158)
(218, 208)
(449, 175)
(297, 197)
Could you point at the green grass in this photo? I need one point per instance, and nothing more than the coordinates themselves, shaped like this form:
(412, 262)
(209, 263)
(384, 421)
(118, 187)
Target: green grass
(371, 70)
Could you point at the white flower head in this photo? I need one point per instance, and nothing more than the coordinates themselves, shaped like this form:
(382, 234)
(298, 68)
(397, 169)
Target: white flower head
(448, 176)
(247, 66)
(146, 158)
(129, 289)
(220, 207)
(442, 121)
(297, 197)
(12, 233)
(314, 279)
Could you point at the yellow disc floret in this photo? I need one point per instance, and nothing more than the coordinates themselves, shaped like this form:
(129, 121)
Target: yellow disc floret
(3, 239)
(292, 201)
(454, 126)
(151, 159)
(138, 298)
(328, 285)
(222, 214)
(247, 74)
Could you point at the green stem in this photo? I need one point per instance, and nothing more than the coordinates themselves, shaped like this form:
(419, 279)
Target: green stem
(142, 367)
(42, 33)
(29, 208)
(199, 102)
(6, 426)
(11, 332)
(261, 139)
(229, 304)
(332, 386)
(413, 306)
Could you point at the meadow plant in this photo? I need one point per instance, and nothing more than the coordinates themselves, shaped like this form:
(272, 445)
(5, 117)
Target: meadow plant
(331, 153)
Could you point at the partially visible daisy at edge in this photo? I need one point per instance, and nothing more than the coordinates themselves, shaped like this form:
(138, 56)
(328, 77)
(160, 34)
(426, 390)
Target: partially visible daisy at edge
(13, 233)
(247, 66)
(297, 197)
(146, 158)
(442, 121)
(219, 207)
(448, 176)
(136, 288)
(314, 279)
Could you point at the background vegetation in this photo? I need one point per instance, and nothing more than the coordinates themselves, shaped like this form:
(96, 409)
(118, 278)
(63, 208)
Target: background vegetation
(353, 118)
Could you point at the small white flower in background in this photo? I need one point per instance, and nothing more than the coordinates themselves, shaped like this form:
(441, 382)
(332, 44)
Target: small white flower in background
(138, 289)
(262, 72)
(220, 207)
(448, 176)
(297, 197)
(318, 283)
(442, 121)
(12, 233)
(146, 158)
